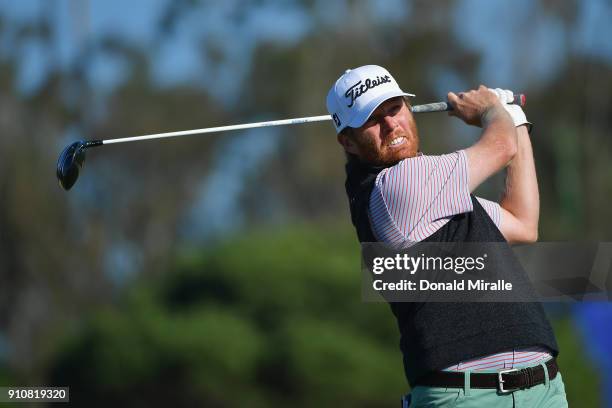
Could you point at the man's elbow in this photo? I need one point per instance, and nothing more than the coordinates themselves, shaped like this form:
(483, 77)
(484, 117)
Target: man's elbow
(522, 235)
(529, 235)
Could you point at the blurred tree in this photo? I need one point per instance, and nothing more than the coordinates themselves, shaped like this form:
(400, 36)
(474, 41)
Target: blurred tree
(272, 318)
(280, 323)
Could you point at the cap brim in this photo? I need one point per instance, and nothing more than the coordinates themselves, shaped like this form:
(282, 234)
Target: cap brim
(360, 119)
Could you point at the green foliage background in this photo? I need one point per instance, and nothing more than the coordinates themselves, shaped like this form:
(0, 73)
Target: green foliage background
(268, 319)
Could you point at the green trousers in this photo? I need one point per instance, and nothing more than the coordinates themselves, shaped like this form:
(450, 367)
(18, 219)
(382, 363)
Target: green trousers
(548, 395)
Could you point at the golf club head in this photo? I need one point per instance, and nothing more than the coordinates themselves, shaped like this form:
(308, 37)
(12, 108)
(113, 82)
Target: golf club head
(69, 163)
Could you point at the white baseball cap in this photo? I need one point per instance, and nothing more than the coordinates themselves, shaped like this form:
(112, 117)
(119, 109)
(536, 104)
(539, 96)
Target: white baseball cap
(358, 92)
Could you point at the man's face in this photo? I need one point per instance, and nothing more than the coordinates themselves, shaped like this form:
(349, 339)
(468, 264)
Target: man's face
(387, 137)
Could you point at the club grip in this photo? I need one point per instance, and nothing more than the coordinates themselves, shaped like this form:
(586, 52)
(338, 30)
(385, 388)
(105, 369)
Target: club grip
(519, 99)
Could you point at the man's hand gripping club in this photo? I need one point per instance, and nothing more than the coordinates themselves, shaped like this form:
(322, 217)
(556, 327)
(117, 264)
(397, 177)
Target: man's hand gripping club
(497, 145)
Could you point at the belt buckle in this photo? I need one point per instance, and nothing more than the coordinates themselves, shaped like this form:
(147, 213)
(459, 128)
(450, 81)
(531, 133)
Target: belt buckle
(500, 380)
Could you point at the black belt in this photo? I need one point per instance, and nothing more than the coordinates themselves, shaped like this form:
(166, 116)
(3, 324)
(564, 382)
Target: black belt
(505, 380)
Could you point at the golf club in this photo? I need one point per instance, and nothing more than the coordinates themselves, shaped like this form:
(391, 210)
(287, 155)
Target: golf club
(72, 158)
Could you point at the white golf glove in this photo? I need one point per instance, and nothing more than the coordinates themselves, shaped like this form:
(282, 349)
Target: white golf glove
(516, 112)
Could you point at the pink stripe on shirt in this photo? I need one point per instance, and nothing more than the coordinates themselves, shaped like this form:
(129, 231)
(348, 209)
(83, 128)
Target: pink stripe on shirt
(525, 357)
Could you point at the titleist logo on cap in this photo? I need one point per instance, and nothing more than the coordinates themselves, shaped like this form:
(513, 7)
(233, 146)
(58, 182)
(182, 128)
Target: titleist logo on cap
(343, 103)
(362, 87)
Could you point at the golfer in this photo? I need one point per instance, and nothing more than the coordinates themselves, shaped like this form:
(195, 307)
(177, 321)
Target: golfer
(454, 354)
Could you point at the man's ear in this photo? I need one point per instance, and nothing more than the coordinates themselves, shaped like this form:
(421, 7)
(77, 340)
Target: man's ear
(347, 143)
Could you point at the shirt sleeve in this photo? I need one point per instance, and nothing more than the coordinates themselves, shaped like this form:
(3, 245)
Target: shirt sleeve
(493, 209)
(417, 196)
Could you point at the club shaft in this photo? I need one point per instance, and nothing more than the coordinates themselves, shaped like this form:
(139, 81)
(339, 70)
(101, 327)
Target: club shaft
(294, 121)
(430, 107)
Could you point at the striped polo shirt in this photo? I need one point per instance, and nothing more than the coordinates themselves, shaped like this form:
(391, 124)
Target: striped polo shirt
(419, 195)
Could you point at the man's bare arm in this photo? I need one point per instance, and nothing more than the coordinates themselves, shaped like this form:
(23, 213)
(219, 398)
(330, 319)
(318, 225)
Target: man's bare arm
(521, 201)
